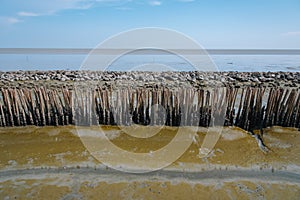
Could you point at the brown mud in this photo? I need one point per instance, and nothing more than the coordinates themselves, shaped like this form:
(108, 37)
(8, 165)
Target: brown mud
(52, 162)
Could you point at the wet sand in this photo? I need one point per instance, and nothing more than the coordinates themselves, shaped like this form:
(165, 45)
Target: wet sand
(52, 162)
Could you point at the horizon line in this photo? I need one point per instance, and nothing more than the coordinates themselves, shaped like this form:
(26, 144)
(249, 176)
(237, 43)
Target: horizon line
(149, 51)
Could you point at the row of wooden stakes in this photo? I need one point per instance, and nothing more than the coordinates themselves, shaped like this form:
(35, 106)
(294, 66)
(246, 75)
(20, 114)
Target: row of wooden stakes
(248, 108)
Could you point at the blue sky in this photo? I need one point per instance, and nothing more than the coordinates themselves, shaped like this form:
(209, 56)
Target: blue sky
(212, 23)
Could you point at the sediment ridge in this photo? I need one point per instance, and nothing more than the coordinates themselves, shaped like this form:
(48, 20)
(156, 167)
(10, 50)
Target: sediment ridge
(30, 79)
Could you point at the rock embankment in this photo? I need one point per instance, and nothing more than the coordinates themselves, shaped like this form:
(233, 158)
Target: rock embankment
(136, 78)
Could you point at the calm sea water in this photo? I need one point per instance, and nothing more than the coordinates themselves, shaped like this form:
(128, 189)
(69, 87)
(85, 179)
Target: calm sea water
(10, 62)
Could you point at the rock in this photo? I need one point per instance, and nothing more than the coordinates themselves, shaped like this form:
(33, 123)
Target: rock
(289, 77)
(255, 80)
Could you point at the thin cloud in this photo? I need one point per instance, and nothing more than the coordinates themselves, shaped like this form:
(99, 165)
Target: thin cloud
(155, 3)
(34, 8)
(13, 20)
(51, 7)
(9, 20)
(28, 14)
(292, 33)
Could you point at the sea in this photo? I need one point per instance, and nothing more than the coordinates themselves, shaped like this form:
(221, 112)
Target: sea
(240, 63)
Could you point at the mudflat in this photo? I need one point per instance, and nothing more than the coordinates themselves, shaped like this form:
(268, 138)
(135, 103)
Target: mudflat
(39, 162)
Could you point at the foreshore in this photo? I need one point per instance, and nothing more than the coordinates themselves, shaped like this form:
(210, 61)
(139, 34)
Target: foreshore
(53, 108)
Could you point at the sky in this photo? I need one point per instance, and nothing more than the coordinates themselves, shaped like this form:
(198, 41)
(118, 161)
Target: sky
(215, 24)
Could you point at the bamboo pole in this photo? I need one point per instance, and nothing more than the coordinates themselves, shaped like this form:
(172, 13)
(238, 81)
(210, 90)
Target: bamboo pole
(203, 107)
